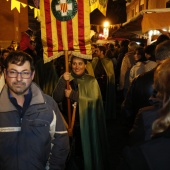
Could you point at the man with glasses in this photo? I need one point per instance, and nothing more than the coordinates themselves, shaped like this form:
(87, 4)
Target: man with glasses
(32, 133)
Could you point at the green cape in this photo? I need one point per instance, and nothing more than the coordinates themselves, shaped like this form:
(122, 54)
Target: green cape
(92, 124)
(89, 68)
(110, 108)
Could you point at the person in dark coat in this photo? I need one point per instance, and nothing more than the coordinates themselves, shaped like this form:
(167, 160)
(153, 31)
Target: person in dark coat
(123, 50)
(32, 133)
(112, 53)
(105, 75)
(154, 154)
(142, 127)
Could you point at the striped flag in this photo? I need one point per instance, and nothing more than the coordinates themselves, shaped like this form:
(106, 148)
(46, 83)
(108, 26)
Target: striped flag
(59, 35)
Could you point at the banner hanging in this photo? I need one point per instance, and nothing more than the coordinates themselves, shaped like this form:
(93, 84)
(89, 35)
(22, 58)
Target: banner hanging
(65, 26)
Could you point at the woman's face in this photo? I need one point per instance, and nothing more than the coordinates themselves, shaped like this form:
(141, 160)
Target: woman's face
(78, 66)
(137, 56)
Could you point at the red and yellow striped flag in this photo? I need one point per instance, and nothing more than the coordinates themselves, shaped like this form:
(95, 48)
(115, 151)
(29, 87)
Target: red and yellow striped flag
(72, 35)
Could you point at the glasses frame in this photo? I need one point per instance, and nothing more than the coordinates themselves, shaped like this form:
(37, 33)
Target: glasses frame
(30, 74)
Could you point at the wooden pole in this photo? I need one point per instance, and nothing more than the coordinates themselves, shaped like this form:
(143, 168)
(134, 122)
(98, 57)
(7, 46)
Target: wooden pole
(73, 116)
(68, 100)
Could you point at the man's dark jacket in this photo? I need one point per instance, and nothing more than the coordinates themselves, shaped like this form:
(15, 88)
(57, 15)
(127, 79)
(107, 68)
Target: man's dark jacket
(137, 96)
(151, 155)
(36, 141)
(142, 127)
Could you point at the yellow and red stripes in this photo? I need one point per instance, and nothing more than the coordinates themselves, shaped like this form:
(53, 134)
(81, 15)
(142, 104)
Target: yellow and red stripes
(72, 35)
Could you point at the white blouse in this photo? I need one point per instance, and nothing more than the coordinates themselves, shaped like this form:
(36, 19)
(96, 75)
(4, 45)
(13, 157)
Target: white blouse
(137, 69)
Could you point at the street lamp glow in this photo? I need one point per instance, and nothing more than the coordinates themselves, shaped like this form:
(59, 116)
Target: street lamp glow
(106, 24)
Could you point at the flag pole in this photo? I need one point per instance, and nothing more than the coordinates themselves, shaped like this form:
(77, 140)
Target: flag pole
(68, 100)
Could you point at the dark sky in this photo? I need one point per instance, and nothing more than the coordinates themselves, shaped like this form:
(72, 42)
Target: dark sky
(116, 13)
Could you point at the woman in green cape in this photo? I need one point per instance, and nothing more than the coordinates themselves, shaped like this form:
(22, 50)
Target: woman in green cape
(89, 139)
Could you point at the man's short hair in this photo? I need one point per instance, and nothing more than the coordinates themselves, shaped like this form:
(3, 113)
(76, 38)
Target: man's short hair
(124, 43)
(162, 50)
(161, 39)
(102, 48)
(19, 58)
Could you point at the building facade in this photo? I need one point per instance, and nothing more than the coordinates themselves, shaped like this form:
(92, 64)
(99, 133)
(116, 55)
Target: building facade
(14, 22)
(133, 7)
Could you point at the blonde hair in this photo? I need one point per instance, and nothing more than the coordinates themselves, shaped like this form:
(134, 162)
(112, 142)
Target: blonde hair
(162, 85)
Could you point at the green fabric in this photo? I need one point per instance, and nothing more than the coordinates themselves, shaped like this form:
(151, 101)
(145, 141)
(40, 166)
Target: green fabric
(89, 68)
(110, 108)
(92, 124)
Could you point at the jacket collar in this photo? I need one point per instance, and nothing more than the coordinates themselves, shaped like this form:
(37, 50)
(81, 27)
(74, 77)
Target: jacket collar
(37, 98)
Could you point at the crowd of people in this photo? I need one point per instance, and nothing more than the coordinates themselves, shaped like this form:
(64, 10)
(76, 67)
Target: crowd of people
(57, 119)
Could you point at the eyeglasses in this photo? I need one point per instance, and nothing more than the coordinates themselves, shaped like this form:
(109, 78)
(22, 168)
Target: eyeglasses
(14, 74)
